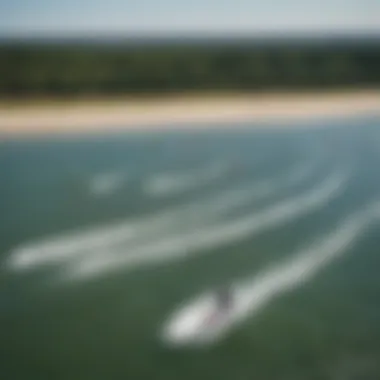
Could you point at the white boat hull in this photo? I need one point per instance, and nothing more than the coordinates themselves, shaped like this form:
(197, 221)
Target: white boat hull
(200, 322)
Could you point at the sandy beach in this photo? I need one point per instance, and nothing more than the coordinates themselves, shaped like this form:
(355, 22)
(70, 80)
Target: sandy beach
(191, 111)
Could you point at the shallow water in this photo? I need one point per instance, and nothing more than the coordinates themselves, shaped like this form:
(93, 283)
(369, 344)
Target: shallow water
(89, 277)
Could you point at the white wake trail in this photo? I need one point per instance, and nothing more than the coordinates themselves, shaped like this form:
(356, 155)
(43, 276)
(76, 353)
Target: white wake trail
(180, 246)
(107, 183)
(66, 247)
(252, 296)
(172, 183)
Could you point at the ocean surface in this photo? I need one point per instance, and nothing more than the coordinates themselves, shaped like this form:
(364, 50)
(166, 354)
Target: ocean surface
(104, 237)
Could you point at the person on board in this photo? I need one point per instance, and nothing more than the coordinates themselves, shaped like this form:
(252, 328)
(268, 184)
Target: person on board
(223, 297)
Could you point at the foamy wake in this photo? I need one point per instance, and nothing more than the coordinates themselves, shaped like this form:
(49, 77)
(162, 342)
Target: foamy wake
(122, 235)
(168, 184)
(106, 184)
(177, 246)
(252, 296)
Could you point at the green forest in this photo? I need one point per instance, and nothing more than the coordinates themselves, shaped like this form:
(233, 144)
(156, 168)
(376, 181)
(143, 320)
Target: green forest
(39, 69)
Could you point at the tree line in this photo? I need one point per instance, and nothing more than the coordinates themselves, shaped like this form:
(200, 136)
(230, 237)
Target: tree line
(100, 69)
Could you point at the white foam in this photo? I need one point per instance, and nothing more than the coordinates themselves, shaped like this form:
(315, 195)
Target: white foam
(171, 183)
(130, 232)
(107, 183)
(179, 246)
(61, 248)
(252, 296)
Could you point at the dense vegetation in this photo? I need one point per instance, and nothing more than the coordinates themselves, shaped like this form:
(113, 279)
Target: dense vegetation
(105, 68)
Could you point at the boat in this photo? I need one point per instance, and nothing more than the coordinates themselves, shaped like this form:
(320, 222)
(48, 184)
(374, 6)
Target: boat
(201, 321)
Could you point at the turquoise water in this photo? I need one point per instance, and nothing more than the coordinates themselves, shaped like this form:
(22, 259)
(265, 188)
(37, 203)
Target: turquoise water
(103, 237)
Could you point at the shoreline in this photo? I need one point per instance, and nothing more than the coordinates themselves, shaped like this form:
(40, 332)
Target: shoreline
(185, 112)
